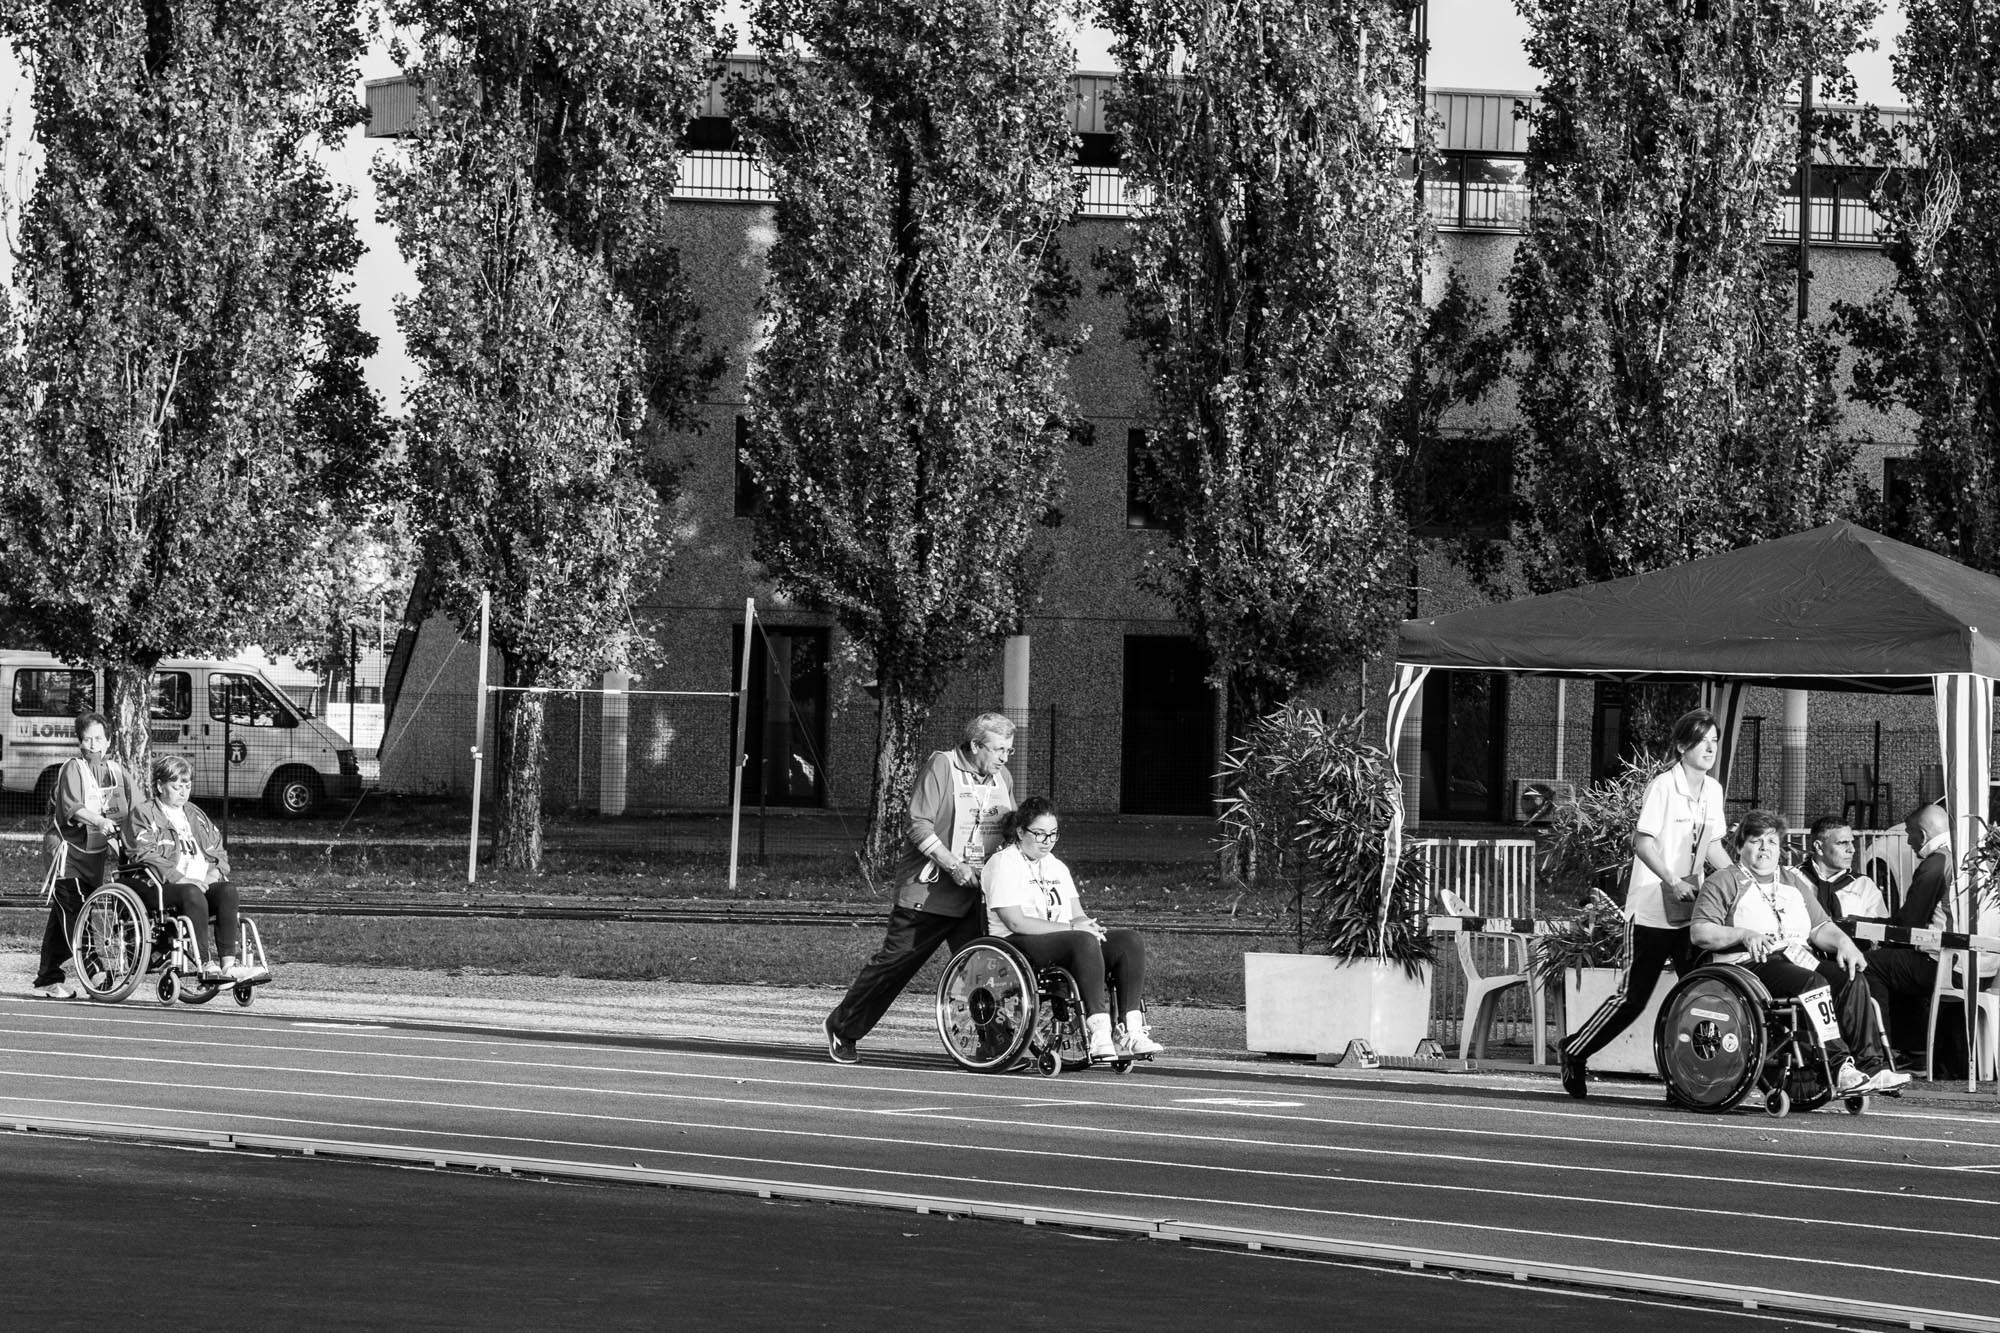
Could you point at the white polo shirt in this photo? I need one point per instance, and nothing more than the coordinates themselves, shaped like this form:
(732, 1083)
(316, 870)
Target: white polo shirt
(1684, 819)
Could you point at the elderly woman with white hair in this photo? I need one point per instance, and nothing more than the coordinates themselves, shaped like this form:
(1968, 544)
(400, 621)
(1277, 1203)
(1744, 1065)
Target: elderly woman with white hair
(961, 796)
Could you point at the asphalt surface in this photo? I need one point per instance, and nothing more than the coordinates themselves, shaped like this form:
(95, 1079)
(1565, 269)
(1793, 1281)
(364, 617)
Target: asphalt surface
(1901, 1205)
(285, 1241)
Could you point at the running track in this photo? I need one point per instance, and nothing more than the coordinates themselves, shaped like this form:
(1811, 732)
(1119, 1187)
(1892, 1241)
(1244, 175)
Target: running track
(1900, 1206)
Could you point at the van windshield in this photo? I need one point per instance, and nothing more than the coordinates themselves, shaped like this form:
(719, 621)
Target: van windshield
(246, 701)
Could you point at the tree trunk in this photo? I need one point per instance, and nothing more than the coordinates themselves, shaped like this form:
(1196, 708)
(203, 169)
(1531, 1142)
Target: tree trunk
(128, 703)
(517, 841)
(901, 731)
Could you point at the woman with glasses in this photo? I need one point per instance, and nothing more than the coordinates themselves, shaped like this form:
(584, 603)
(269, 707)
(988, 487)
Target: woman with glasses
(92, 793)
(179, 844)
(960, 797)
(1032, 902)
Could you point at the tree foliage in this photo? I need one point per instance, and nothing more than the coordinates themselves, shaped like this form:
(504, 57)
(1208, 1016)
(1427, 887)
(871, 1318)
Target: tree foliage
(1305, 809)
(1673, 405)
(187, 405)
(1930, 344)
(908, 408)
(1270, 284)
(553, 331)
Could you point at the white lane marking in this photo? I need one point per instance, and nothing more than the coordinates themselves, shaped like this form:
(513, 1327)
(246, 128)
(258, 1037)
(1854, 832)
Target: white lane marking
(1824, 1126)
(1821, 1126)
(1295, 1210)
(1873, 1195)
(327, 1023)
(793, 1086)
(1232, 1101)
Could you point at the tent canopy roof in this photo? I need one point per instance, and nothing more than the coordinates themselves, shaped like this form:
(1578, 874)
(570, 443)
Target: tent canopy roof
(1838, 607)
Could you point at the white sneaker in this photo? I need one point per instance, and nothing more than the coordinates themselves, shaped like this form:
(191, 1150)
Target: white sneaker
(1138, 1042)
(1100, 1046)
(1889, 1080)
(1849, 1081)
(241, 972)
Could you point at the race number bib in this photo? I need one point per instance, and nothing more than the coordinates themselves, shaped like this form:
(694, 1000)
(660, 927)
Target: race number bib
(1819, 1008)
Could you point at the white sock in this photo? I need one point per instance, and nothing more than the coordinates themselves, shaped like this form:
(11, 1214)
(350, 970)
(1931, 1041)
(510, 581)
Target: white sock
(1135, 1022)
(1098, 1025)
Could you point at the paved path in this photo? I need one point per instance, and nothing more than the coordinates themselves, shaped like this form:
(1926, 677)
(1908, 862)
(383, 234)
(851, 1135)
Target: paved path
(1901, 1205)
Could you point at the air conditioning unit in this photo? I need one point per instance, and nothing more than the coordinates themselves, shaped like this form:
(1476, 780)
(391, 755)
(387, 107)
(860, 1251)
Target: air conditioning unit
(1536, 799)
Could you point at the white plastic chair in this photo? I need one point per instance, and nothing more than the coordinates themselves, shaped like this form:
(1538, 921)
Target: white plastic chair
(1482, 993)
(1987, 1032)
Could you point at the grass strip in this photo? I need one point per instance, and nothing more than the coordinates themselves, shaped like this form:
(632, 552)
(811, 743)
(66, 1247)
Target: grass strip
(1181, 969)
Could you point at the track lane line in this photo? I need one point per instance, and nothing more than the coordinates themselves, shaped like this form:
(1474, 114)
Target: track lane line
(767, 1104)
(1251, 1172)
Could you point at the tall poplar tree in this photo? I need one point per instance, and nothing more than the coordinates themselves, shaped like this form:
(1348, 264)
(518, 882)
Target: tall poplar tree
(1930, 344)
(188, 357)
(907, 409)
(554, 335)
(1674, 407)
(1270, 284)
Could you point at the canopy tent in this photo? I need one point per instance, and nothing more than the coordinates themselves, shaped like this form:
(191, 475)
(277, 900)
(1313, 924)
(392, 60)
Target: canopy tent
(1836, 608)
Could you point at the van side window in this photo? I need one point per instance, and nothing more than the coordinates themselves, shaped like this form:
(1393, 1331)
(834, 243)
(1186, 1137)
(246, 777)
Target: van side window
(247, 702)
(173, 696)
(53, 692)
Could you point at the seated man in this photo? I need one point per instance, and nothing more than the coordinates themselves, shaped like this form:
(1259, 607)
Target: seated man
(1901, 972)
(1763, 917)
(1844, 893)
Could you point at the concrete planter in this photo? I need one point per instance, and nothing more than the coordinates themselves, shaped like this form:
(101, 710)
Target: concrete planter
(1631, 1051)
(1309, 1004)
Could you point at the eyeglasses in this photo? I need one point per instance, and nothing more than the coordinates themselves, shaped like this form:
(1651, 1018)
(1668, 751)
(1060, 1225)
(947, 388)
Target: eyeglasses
(1045, 834)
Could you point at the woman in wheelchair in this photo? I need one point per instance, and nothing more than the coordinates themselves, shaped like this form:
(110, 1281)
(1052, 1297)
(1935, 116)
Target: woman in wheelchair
(1032, 902)
(190, 866)
(1762, 916)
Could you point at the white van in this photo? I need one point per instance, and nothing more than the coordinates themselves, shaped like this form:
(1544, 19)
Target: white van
(292, 761)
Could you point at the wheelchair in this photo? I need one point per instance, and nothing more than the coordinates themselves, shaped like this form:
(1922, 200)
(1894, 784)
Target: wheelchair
(997, 1012)
(118, 939)
(1722, 1037)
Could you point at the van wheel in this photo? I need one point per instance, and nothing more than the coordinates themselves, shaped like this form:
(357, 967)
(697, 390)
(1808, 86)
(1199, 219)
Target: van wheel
(45, 787)
(294, 793)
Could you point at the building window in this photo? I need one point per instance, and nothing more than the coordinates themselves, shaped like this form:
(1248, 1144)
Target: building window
(749, 495)
(1479, 191)
(1899, 487)
(1464, 489)
(1139, 511)
(785, 736)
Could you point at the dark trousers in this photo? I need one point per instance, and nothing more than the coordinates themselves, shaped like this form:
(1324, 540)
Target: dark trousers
(217, 903)
(1901, 979)
(86, 876)
(1861, 1033)
(1652, 948)
(911, 939)
(1117, 964)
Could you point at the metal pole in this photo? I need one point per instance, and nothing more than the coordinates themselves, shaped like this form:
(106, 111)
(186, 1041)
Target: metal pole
(228, 740)
(478, 739)
(742, 723)
(1805, 189)
(353, 677)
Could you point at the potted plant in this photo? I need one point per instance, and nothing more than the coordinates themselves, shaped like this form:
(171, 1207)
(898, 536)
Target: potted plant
(1589, 847)
(1305, 815)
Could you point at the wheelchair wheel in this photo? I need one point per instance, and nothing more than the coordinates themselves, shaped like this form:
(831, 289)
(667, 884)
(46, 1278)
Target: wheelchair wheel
(986, 1005)
(1061, 1018)
(1710, 1040)
(111, 943)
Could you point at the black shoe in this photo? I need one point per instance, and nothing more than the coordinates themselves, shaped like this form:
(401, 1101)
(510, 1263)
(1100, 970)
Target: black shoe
(839, 1048)
(1574, 1075)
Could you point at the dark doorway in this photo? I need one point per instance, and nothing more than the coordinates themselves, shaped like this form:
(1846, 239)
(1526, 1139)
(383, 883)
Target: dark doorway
(1168, 747)
(1464, 744)
(787, 733)
(1611, 744)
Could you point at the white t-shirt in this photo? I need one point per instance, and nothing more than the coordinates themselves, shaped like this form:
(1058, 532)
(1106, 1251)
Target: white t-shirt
(1042, 889)
(193, 866)
(1684, 820)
